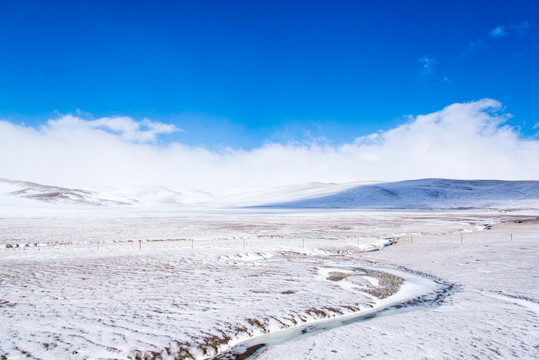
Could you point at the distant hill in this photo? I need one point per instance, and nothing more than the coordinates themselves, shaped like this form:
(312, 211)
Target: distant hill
(55, 194)
(411, 194)
(425, 193)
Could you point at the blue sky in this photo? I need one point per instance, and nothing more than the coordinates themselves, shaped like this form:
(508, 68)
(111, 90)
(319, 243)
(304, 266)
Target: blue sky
(244, 73)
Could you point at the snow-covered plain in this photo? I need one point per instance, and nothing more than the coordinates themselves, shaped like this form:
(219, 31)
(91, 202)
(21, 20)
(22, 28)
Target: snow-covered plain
(493, 315)
(117, 281)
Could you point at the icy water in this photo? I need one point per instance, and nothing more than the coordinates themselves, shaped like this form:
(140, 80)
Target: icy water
(417, 291)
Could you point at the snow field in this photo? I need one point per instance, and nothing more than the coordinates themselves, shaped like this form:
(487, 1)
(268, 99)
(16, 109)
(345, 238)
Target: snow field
(71, 300)
(493, 315)
(230, 228)
(121, 304)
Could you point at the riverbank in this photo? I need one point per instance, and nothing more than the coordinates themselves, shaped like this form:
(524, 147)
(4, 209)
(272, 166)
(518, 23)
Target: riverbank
(494, 314)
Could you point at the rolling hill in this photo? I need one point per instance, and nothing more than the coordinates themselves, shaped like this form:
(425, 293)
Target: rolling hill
(425, 194)
(410, 194)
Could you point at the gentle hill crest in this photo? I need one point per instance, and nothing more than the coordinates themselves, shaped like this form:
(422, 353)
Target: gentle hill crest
(55, 194)
(410, 194)
(425, 193)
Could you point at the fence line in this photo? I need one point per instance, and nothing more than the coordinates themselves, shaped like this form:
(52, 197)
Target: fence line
(268, 243)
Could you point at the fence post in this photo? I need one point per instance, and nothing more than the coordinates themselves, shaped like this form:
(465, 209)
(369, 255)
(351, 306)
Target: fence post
(511, 236)
(140, 244)
(461, 238)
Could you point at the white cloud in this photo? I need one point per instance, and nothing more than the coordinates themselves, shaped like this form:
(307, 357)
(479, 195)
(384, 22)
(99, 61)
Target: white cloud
(476, 46)
(501, 30)
(463, 140)
(124, 127)
(498, 31)
(521, 28)
(427, 66)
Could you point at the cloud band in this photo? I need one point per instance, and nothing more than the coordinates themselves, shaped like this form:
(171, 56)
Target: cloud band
(463, 140)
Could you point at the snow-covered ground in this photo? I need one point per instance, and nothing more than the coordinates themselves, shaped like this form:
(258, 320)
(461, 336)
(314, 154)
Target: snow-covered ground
(98, 279)
(493, 315)
(246, 273)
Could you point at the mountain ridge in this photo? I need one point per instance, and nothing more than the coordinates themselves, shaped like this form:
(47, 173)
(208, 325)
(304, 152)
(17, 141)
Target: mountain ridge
(425, 193)
(428, 193)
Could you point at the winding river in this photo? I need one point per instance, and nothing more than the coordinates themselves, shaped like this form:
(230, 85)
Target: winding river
(416, 291)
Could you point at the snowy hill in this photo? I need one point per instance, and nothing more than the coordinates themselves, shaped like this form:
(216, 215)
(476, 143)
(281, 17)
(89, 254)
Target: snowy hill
(426, 193)
(54, 194)
(288, 193)
(411, 194)
(166, 197)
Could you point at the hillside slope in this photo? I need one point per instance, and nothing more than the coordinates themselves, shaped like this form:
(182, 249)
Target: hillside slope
(426, 193)
(55, 194)
(411, 194)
